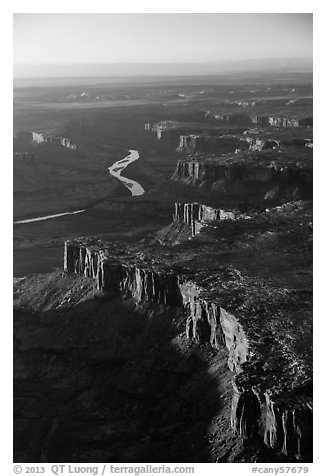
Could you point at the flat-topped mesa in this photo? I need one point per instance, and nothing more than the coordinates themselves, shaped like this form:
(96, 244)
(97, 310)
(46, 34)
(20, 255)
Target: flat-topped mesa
(207, 143)
(249, 178)
(197, 169)
(118, 277)
(196, 215)
(270, 402)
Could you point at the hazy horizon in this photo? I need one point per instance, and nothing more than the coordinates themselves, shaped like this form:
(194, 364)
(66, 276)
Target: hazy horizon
(59, 44)
(114, 70)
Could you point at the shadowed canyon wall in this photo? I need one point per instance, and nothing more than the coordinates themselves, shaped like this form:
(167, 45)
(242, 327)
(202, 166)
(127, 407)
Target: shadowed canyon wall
(283, 423)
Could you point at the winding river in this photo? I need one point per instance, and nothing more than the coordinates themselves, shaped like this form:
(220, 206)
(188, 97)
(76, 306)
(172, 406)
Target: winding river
(135, 188)
(115, 170)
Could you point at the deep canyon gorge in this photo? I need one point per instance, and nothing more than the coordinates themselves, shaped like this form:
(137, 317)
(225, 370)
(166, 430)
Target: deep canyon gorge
(164, 312)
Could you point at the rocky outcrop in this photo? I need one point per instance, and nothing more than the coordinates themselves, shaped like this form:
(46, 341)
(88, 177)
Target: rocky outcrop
(195, 215)
(242, 179)
(159, 127)
(39, 138)
(196, 169)
(283, 122)
(203, 319)
(284, 423)
(268, 407)
(205, 143)
(187, 143)
(263, 121)
(283, 426)
(256, 144)
(120, 278)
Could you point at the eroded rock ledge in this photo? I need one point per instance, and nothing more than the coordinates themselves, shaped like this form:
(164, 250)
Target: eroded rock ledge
(249, 176)
(272, 385)
(196, 215)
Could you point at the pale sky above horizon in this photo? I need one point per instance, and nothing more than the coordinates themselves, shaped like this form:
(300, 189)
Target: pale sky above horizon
(72, 38)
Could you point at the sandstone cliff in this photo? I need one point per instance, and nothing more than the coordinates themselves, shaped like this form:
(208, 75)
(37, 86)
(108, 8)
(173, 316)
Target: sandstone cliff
(267, 404)
(265, 121)
(39, 138)
(195, 215)
(249, 177)
(206, 143)
(120, 277)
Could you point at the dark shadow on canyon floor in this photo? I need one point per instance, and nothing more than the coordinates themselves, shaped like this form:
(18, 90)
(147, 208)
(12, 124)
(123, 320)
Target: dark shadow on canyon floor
(105, 381)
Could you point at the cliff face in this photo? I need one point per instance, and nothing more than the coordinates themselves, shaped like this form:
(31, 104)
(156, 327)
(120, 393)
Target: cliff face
(223, 145)
(39, 138)
(188, 143)
(284, 429)
(119, 278)
(273, 411)
(275, 121)
(265, 121)
(206, 320)
(195, 215)
(283, 425)
(243, 178)
(209, 143)
(195, 169)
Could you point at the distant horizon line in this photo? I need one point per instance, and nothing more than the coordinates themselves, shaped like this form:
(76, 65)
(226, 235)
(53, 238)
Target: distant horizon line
(155, 69)
(240, 60)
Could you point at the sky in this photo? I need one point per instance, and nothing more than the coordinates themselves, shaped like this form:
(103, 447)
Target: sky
(91, 38)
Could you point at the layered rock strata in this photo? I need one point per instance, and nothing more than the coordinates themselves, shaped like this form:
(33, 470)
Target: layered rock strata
(195, 215)
(210, 143)
(121, 278)
(196, 169)
(264, 406)
(249, 177)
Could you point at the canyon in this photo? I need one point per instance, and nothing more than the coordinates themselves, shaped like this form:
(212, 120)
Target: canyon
(179, 327)
(277, 410)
